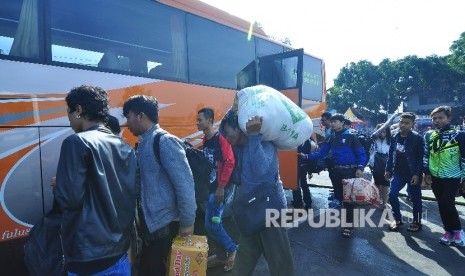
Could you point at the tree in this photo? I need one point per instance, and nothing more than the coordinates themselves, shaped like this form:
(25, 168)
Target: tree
(355, 85)
(457, 59)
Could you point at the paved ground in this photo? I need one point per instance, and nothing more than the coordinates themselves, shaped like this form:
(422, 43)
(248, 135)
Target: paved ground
(373, 250)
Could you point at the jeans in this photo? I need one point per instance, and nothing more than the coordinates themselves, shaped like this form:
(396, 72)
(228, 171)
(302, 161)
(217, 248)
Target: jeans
(398, 182)
(120, 268)
(215, 229)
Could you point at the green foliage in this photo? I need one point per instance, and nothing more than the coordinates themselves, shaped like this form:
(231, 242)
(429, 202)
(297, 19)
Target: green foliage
(457, 59)
(381, 88)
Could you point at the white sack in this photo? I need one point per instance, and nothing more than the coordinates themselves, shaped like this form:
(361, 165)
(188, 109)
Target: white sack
(284, 123)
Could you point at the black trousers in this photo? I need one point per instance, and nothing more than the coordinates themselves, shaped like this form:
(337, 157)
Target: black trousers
(337, 176)
(302, 188)
(444, 190)
(155, 254)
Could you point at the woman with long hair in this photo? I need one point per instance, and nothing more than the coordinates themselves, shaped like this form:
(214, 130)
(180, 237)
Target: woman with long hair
(378, 157)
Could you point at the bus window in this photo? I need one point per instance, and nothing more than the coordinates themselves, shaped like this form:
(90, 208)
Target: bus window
(214, 55)
(279, 73)
(120, 32)
(19, 28)
(265, 48)
(312, 83)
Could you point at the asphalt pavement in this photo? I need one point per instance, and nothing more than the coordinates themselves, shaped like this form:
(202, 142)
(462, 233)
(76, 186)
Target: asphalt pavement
(372, 250)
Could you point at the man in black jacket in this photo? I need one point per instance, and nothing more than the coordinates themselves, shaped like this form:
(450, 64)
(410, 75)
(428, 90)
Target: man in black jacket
(95, 188)
(305, 167)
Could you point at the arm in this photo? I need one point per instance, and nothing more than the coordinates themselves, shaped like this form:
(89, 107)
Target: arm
(390, 161)
(461, 140)
(384, 126)
(359, 152)
(426, 153)
(173, 158)
(257, 152)
(225, 166)
(71, 174)
(420, 155)
(324, 149)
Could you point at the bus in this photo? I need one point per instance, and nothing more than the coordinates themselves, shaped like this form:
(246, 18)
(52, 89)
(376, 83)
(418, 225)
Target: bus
(185, 53)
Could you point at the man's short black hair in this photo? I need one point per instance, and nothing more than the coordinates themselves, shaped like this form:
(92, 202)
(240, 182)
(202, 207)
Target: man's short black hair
(93, 101)
(338, 117)
(327, 115)
(347, 122)
(230, 119)
(142, 104)
(408, 115)
(444, 108)
(113, 125)
(208, 113)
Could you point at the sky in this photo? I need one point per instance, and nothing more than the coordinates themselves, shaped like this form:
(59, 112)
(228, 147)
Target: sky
(344, 31)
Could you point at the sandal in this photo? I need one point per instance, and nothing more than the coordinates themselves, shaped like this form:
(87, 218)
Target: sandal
(414, 227)
(395, 225)
(213, 261)
(230, 262)
(348, 232)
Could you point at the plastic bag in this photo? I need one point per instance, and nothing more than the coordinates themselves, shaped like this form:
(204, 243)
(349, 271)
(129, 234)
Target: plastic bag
(360, 191)
(284, 123)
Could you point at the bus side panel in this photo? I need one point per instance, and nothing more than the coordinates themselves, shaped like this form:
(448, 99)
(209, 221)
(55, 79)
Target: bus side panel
(30, 106)
(20, 191)
(288, 159)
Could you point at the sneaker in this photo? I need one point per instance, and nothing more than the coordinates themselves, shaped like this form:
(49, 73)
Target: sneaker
(335, 204)
(446, 238)
(459, 238)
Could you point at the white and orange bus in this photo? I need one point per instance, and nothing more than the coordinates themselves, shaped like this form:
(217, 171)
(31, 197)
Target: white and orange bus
(184, 52)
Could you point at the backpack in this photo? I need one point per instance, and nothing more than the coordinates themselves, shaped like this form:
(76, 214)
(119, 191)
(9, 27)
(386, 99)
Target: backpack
(366, 143)
(43, 251)
(199, 164)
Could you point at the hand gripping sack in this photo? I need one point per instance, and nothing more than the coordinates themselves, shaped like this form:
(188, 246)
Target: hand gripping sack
(360, 191)
(284, 123)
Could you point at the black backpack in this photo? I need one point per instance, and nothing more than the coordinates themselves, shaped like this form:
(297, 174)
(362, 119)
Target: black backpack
(199, 164)
(43, 251)
(366, 143)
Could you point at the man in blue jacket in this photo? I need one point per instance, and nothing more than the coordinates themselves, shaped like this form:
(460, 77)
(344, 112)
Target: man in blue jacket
(405, 166)
(257, 163)
(349, 160)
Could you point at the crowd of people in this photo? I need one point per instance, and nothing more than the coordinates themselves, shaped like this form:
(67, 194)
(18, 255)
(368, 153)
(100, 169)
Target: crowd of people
(399, 156)
(111, 196)
(106, 191)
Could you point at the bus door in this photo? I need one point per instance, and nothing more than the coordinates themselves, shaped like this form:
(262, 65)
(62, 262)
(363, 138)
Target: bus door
(283, 72)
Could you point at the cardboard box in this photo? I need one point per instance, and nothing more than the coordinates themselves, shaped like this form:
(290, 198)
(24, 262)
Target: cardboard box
(188, 256)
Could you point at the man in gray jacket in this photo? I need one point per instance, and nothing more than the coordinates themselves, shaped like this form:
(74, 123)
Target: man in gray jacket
(167, 185)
